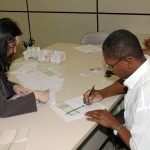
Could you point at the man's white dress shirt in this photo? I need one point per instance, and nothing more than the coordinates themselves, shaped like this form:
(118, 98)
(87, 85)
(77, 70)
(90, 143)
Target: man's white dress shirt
(137, 107)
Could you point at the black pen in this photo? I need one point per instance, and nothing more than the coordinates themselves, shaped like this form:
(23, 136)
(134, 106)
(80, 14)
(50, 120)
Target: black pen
(75, 109)
(90, 94)
(92, 90)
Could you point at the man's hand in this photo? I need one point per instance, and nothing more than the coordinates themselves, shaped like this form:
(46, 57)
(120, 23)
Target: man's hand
(94, 97)
(103, 117)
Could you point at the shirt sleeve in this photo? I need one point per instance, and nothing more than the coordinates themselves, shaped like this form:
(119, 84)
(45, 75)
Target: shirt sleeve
(20, 105)
(10, 87)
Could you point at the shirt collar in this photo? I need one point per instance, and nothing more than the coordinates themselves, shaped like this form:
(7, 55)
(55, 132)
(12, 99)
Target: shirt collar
(133, 79)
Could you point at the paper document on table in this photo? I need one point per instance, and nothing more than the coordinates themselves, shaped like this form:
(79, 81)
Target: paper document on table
(13, 139)
(88, 49)
(51, 72)
(63, 107)
(38, 80)
(19, 68)
(91, 72)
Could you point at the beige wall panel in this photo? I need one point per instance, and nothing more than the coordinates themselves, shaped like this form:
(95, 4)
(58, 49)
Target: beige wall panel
(63, 5)
(139, 24)
(21, 19)
(136, 24)
(124, 6)
(19, 5)
(51, 28)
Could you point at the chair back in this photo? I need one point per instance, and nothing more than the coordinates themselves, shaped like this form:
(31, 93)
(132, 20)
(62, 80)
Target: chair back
(94, 38)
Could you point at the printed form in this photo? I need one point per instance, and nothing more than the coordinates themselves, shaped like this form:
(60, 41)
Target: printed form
(63, 107)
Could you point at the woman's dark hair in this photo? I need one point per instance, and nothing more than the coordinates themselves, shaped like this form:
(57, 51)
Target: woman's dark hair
(8, 31)
(9, 26)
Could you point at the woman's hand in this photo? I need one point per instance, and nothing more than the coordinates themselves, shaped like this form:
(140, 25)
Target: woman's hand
(41, 96)
(21, 90)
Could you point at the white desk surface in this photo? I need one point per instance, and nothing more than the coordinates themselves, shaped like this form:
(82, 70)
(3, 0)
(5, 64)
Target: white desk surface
(47, 129)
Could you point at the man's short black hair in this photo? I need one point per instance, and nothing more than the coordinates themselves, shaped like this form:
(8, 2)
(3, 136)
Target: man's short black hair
(122, 43)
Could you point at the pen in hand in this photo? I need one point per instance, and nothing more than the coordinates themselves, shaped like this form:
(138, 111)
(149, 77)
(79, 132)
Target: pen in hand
(90, 93)
(83, 105)
(92, 90)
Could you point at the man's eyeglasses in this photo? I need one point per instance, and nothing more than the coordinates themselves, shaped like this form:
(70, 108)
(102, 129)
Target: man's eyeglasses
(110, 67)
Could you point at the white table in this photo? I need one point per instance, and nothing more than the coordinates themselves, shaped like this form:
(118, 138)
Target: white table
(49, 131)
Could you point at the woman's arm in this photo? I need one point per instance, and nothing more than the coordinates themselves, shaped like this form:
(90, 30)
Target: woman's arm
(20, 105)
(24, 104)
(10, 86)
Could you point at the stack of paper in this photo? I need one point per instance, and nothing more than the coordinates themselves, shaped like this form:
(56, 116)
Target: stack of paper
(31, 52)
(42, 79)
(38, 78)
(51, 56)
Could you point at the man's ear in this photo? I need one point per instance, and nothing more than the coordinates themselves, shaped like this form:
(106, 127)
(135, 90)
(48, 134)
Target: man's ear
(129, 61)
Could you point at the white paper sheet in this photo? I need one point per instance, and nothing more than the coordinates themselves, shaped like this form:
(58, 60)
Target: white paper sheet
(88, 49)
(19, 68)
(50, 72)
(13, 139)
(41, 80)
(61, 108)
(91, 72)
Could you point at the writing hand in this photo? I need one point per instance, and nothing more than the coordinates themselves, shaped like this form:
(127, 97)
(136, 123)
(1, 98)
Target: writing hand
(94, 97)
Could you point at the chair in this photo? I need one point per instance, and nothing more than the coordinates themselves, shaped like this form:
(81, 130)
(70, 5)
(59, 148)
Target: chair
(94, 38)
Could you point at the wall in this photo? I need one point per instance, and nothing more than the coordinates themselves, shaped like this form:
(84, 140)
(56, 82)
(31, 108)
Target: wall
(132, 15)
(54, 21)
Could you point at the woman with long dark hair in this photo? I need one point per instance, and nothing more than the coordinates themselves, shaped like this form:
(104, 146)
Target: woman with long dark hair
(9, 37)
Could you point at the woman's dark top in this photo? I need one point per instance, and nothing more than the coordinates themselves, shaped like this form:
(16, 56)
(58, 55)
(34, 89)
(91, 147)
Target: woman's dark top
(20, 105)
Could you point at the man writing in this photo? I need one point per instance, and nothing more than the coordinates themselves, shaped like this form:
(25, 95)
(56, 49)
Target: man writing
(124, 57)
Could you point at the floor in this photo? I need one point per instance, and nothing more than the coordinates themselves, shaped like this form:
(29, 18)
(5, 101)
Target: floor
(109, 146)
